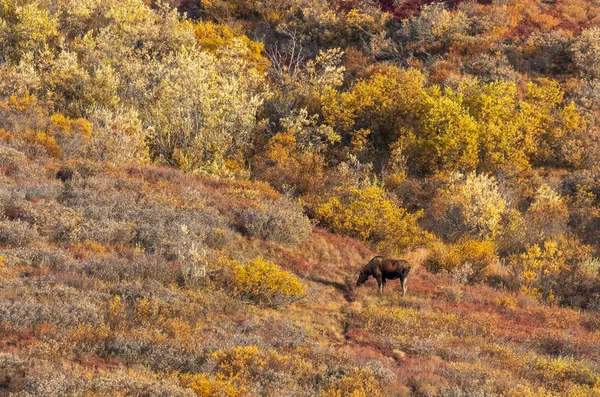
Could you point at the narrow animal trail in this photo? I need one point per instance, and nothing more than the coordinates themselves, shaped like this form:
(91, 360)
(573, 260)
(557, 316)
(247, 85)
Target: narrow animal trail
(440, 330)
(333, 296)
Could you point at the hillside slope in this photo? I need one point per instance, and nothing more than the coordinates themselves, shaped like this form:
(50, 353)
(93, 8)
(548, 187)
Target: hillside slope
(189, 188)
(116, 283)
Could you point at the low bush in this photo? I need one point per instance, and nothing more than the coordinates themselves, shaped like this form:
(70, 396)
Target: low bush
(17, 234)
(54, 259)
(263, 282)
(356, 382)
(282, 221)
(110, 231)
(555, 271)
(28, 313)
(56, 222)
(46, 191)
(246, 370)
(480, 255)
(10, 160)
(208, 386)
(173, 231)
(33, 377)
(557, 371)
(137, 268)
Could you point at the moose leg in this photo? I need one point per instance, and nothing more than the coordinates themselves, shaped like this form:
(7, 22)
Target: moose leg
(403, 282)
(380, 282)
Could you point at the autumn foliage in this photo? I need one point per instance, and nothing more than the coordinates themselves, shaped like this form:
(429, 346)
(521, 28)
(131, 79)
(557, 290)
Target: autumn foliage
(189, 188)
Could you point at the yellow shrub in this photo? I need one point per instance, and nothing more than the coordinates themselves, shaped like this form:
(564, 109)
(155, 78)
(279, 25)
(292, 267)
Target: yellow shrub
(264, 282)
(370, 215)
(506, 302)
(115, 306)
(47, 142)
(206, 386)
(285, 167)
(178, 329)
(246, 364)
(238, 360)
(526, 391)
(479, 254)
(562, 369)
(545, 271)
(212, 37)
(147, 308)
(92, 246)
(63, 127)
(357, 383)
(3, 263)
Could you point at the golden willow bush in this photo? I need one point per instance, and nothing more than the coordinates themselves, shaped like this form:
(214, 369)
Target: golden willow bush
(552, 271)
(294, 160)
(471, 205)
(206, 386)
(27, 120)
(371, 215)
(234, 371)
(479, 255)
(262, 282)
(554, 371)
(477, 126)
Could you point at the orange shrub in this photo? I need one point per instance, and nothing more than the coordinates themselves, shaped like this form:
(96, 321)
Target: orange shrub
(287, 168)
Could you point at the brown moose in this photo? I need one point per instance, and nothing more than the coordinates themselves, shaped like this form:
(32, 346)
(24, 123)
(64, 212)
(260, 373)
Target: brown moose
(385, 269)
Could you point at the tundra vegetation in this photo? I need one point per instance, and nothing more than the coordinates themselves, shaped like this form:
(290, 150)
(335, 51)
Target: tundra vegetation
(189, 188)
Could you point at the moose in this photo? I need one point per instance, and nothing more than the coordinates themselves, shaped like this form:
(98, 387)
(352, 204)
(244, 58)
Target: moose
(385, 269)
